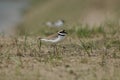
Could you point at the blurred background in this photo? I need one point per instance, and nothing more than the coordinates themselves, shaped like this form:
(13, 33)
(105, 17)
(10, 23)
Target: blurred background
(11, 13)
(33, 14)
(91, 50)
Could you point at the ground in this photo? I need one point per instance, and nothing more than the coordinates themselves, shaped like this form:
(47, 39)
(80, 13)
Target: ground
(87, 53)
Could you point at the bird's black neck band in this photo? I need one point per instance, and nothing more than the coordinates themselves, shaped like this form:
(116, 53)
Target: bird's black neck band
(61, 34)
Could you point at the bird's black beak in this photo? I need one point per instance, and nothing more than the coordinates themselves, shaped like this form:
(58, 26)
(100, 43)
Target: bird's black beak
(64, 31)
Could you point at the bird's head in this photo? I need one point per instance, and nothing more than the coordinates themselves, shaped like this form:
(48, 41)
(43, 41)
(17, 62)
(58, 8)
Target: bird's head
(62, 33)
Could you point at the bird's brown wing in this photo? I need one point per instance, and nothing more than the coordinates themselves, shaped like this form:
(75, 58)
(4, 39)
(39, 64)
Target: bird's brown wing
(52, 36)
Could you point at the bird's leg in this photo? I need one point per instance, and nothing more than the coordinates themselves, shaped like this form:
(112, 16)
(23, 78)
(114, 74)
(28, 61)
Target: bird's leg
(54, 49)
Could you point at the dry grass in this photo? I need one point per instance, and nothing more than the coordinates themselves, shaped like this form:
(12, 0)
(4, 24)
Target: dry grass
(93, 55)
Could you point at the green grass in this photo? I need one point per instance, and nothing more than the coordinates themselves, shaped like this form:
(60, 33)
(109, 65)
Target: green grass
(88, 32)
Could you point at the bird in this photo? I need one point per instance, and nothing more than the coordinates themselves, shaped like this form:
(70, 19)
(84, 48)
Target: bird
(58, 23)
(55, 38)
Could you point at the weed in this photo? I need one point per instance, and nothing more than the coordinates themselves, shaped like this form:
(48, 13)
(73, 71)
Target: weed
(88, 32)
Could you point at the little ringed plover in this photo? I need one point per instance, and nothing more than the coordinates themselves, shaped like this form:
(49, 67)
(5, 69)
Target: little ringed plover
(56, 37)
